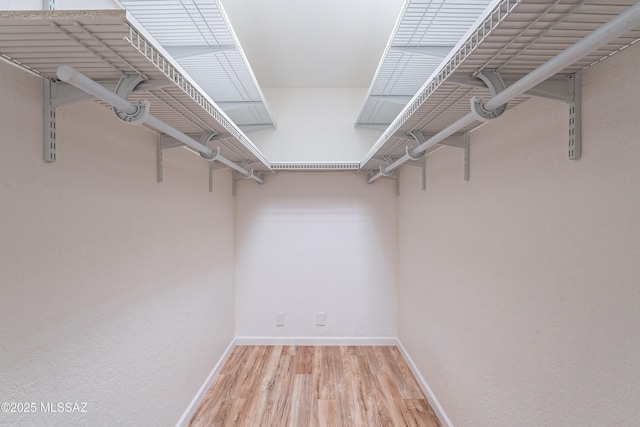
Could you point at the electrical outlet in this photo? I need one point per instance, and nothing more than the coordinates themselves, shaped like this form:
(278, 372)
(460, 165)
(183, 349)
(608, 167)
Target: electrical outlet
(280, 319)
(321, 318)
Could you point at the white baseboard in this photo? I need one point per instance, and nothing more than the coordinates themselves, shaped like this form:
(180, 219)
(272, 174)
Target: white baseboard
(442, 416)
(204, 388)
(319, 341)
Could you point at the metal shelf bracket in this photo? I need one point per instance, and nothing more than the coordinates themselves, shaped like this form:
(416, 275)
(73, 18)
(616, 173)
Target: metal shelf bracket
(159, 158)
(204, 139)
(467, 156)
(418, 160)
(165, 141)
(49, 122)
(125, 86)
(49, 110)
(556, 88)
(238, 176)
(493, 80)
(575, 118)
(56, 94)
(214, 166)
(461, 141)
(419, 137)
(211, 170)
(395, 174)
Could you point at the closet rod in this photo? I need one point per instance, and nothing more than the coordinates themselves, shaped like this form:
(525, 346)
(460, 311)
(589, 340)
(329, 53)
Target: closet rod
(69, 75)
(608, 32)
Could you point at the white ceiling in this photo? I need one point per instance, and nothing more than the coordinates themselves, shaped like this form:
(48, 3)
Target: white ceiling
(313, 43)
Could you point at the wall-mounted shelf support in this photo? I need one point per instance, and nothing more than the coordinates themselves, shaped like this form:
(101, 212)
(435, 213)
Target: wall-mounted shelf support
(575, 118)
(255, 174)
(556, 88)
(493, 81)
(166, 142)
(205, 139)
(49, 122)
(214, 166)
(391, 174)
(170, 142)
(139, 113)
(105, 45)
(418, 160)
(211, 170)
(56, 94)
(461, 141)
(571, 53)
(49, 111)
(457, 141)
(467, 156)
(159, 159)
(395, 175)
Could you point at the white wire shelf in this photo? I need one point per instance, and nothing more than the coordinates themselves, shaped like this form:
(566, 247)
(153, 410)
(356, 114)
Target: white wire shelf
(514, 38)
(424, 34)
(199, 36)
(107, 44)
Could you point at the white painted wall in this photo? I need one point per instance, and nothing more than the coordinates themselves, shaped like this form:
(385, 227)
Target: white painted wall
(315, 125)
(316, 242)
(113, 292)
(518, 291)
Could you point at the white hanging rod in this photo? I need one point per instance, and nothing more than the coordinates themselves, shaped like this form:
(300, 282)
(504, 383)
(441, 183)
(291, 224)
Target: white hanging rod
(69, 75)
(608, 32)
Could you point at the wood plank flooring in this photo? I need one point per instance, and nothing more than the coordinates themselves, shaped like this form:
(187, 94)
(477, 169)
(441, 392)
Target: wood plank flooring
(291, 386)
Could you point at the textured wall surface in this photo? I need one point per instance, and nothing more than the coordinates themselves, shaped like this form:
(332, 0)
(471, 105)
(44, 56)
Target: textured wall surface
(114, 291)
(310, 242)
(518, 291)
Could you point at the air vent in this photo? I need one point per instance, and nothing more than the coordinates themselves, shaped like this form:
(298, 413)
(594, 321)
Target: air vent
(324, 166)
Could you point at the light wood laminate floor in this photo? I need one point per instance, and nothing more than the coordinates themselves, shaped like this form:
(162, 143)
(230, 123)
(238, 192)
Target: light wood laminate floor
(298, 386)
